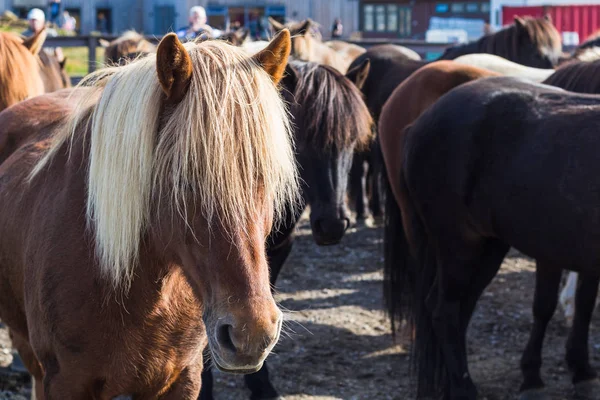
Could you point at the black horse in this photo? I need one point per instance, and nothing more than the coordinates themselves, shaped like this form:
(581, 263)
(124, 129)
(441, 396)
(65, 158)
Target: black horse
(330, 121)
(494, 163)
(529, 41)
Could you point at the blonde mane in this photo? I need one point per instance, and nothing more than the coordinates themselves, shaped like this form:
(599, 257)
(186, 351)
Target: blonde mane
(227, 144)
(19, 71)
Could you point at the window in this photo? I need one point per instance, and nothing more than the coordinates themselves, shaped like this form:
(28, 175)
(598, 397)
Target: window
(472, 7)
(387, 18)
(458, 7)
(392, 18)
(441, 8)
(405, 21)
(369, 24)
(485, 7)
(380, 18)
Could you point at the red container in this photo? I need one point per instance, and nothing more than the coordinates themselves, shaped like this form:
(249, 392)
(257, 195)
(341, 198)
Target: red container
(583, 19)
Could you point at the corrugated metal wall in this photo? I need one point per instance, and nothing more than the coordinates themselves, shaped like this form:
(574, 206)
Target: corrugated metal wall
(583, 19)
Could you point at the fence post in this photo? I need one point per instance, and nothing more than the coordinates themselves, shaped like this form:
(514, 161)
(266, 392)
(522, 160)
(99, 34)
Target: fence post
(92, 44)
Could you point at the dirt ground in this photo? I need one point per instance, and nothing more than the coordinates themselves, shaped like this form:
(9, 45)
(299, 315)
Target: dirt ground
(338, 345)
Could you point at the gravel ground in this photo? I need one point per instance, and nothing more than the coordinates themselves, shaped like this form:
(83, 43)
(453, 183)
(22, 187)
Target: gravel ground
(338, 345)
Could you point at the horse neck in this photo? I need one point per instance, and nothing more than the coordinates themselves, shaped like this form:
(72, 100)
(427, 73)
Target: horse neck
(468, 48)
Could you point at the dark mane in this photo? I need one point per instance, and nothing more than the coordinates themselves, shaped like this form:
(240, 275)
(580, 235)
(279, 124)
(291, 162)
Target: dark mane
(591, 41)
(577, 76)
(334, 113)
(541, 37)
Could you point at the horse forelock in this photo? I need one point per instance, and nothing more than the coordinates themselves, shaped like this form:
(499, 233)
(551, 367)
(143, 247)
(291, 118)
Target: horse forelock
(334, 111)
(545, 37)
(227, 145)
(19, 71)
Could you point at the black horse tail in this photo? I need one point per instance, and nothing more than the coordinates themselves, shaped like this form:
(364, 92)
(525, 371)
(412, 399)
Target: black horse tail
(409, 276)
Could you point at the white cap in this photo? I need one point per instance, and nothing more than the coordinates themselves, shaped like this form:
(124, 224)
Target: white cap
(198, 10)
(36, 13)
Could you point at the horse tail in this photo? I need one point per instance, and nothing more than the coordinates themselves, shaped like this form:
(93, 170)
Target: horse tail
(409, 274)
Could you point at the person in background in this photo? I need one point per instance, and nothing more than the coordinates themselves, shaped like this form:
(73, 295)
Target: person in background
(487, 28)
(337, 30)
(37, 21)
(197, 25)
(54, 8)
(67, 22)
(101, 23)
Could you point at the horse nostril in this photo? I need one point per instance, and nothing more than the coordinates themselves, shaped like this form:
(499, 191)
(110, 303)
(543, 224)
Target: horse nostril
(224, 337)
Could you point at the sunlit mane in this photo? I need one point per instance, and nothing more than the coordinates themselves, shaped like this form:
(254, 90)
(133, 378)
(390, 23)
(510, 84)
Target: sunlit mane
(227, 144)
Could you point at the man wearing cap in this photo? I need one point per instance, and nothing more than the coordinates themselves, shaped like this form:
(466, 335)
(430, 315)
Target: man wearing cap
(37, 21)
(197, 27)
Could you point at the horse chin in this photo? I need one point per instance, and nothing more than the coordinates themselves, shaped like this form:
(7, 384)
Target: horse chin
(238, 371)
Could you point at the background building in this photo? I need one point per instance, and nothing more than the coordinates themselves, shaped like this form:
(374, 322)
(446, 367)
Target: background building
(412, 19)
(160, 16)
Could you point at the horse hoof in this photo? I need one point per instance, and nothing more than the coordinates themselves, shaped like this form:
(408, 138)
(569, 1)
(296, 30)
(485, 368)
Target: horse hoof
(534, 394)
(588, 390)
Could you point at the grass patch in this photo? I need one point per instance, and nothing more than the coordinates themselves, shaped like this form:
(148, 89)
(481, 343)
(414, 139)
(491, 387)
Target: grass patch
(77, 60)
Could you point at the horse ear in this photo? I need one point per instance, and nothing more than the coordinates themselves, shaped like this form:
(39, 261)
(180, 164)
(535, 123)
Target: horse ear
(62, 63)
(304, 28)
(274, 57)
(276, 25)
(174, 68)
(35, 42)
(519, 22)
(242, 34)
(104, 43)
(359, 74)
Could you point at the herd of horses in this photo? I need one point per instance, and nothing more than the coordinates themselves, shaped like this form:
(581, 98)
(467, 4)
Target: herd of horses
(145, 215)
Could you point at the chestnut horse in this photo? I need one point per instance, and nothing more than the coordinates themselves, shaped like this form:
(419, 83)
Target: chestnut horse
(330, 121)
(487, 167)
(19, 70)
(53, 72)
(132, 231)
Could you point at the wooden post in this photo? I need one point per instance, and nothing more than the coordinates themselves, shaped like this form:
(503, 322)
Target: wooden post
(92, 44)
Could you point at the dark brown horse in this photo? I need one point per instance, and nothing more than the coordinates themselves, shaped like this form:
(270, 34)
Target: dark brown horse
(130, 236)
(491, 165)
(390, 66)
(577, 76)
(330, 120)
(125, 48)
(236, 38)
(533, 42)
(20, 76)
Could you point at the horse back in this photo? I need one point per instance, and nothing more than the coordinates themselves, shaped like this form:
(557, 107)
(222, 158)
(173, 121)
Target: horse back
(503, 154)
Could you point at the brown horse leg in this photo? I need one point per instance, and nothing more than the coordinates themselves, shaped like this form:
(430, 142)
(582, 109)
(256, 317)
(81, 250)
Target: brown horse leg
(584, 376)
(357, 186)
(31, 363)
(547, 284)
